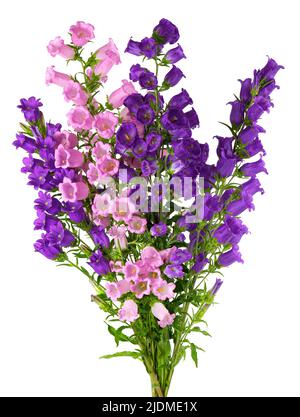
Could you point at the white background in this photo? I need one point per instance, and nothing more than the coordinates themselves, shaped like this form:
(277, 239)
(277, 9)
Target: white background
(51, 334)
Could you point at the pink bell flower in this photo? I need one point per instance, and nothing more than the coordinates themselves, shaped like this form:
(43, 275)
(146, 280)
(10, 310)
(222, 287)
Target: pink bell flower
(122, 209)
(74, 92)
(101, 150)
(105, 124)
(80, 118)
(73, 191)
(67, 158)
(65, 138)
(137, 225)
(162, 314)
(129, 311)
(112, 291)
(82, 33)
(93, 174)
(110, 51)
(102, 204)
(116, 99)
(151, 256)
(119, 235)
(55, 77)
(131, 271)
(116, 266)
(141, 288)
(57, 47)
(162, 289)
(108, 166)
(123, 286)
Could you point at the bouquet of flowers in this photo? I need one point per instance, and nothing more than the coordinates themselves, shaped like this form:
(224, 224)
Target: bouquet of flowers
(127, 196)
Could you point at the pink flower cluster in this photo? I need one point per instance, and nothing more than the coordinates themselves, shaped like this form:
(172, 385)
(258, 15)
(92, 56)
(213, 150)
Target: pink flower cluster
(141, 278)
(121, 209)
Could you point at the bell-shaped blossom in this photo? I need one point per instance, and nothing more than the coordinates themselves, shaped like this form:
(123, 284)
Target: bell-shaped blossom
(105, 124)
(80, 118)
(73, 91)
(82, 33)
(137, 225)
(58, 47)
(231, 256)
(67, 158)
(131, 271)
(151, 256)
(116, 99)
(73, 191)
(162, 289)
(141, 287)
(118, 233)
(55, 77)
(129, 311)
(162, 314)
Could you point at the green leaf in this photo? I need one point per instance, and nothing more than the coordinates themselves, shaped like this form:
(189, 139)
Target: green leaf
(118, 334)
(196, 329)
(194, 354)
(84, 271)
(135, 355)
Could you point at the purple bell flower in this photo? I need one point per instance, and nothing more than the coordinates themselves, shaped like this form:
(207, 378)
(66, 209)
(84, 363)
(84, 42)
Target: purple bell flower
(134, 48)
(251, 187)
(59, 236)
(217, 285)
(174, 271)
(148, 168)
(150, 98)
(248, 134)
(134, 102)
(180, 256)
(149, 47)
(140, 148)
(225, 166)
(180, 100)
(99, 236)
(30, 109)
(252, 168)
(153, 140)
(99, 263)
(268, 72)
(231, 231)
(145, 114)
(51, 252)
(245, 93)
(75, 211)
(159, 229)
(148, 80)
(28, 144)
(174, 55)
(236, 207)
(38, 177)
(228, 258)
(47, 203)
(135, 72)
(192, 118)
(127, 134)
(200, 262)
(166, 32)
(237, 113)
(173, 77)
(255, 147)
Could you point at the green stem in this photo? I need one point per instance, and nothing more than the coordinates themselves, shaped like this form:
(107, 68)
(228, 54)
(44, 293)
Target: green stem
(149, 365)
